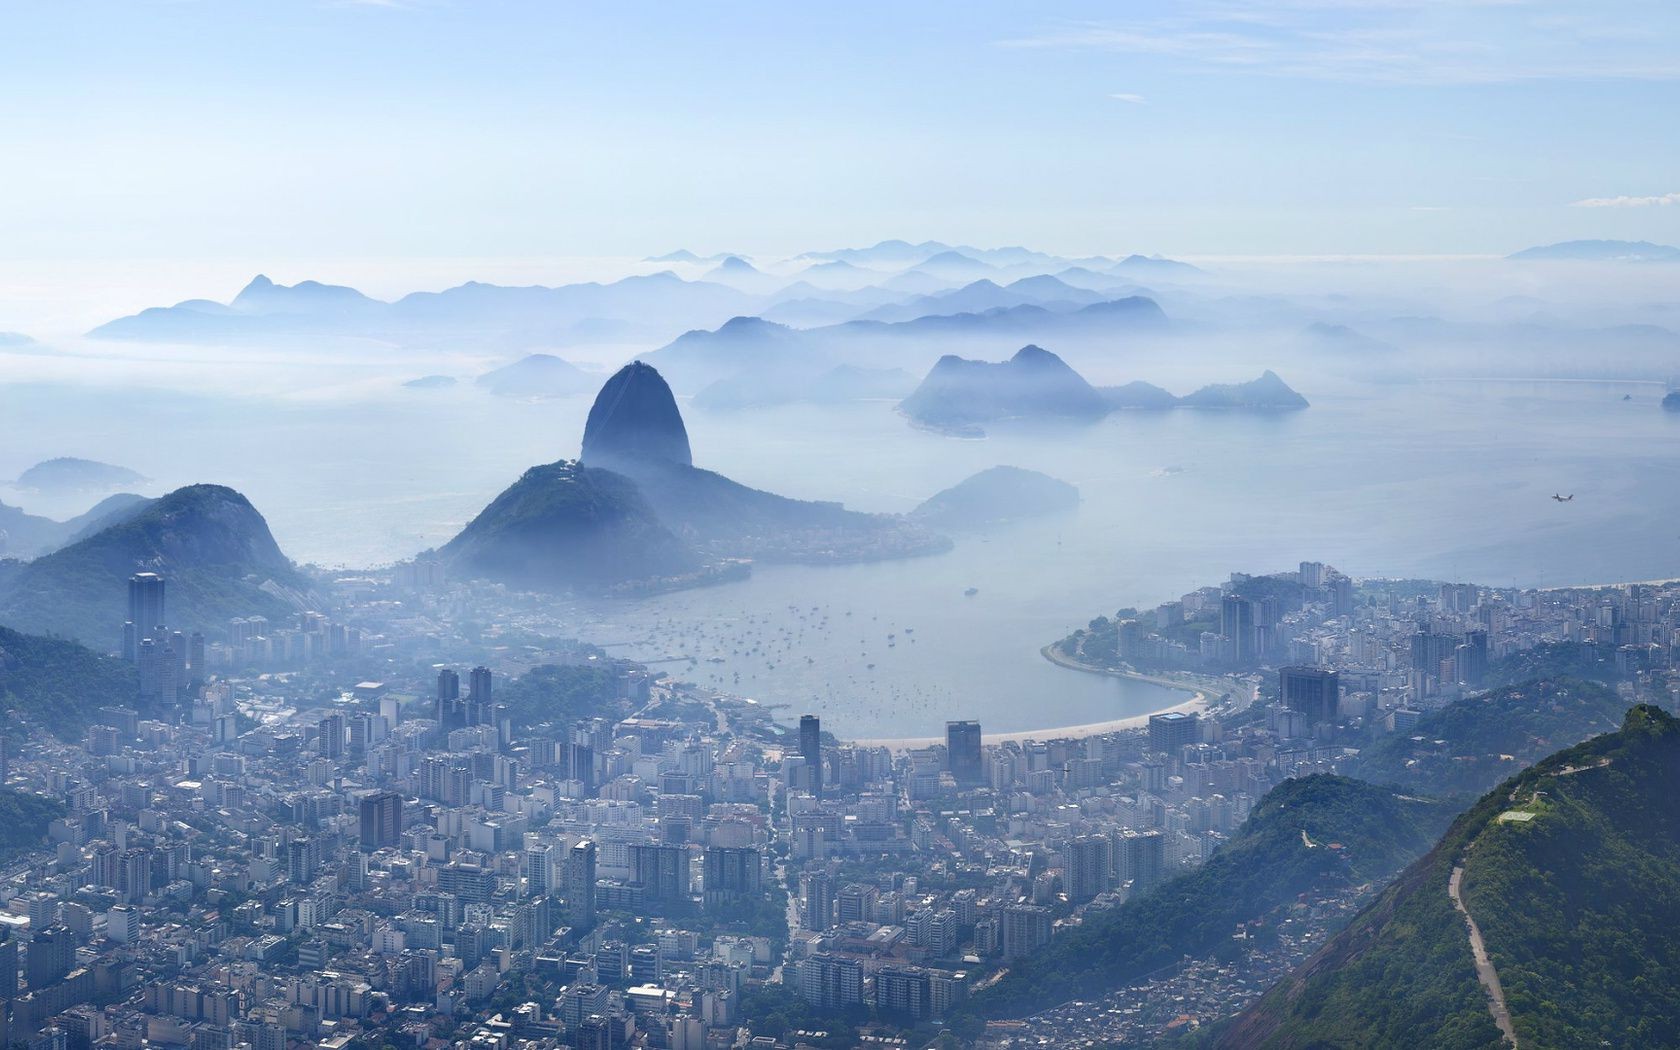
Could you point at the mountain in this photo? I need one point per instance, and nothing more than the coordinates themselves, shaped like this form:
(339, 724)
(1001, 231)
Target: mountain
(1567, 876)
(1035, 384)
(69, 474)
(1600, 251)
(538, 375)
(16, 341)
(986, 294)
(102, 515)
(24, 535)
(1267, 393)
(1472, 744)
(1340, 339)
(1138, 395)
(208, 542)
(953, 266)
(564, 525)
(432, 382)
(1671, 401)
(1153, 266)
(1307, 836)
(681, 255)
(59, 685)
(741, 345)
(263, 296)
(636, 429)
(997, 494)
(886, 253)
(635, 419)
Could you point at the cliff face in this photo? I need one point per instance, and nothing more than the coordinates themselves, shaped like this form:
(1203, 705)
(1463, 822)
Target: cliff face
(635, 419)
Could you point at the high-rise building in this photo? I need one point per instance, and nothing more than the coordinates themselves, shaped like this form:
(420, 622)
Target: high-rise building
(540, 876)
(1141, 858)
(730, 873)
(962, 752)
(52, 952)
(448, 697)
(381, 823)
(1314, 691)
(1087, 867)
(1171, 730)
(480, 708)
(579, 885)
(810, 747)
(1236, 625)
(331, 738)
(829, 982)
(145, 611)
(816, 901)
(1026, 928)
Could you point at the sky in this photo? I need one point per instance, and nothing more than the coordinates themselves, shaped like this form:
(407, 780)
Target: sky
(206, 133)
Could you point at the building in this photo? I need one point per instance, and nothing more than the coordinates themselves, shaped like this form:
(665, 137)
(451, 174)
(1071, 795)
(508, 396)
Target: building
(829, 982)
(1313, 691)
(381, 820)
(1170, 731)
(816, 901)
(810, 748)
(145, 611)
(578, 884)
(730, 873)
(448, 699)
(1087, 868)
(1236, 626)
(1026, 928)
(1140, 857)
(962, 753)
(480, 708)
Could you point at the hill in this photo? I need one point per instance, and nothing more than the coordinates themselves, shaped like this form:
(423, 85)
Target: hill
(1570, 873)
(1267, 393)
(1472, 744)
(211, 545)
(564, 525)
(59, 685)
(635, 418)
(1033, 385)
(1312, 834)
(23, 822)
(69, 474)
(1600, 251)
(997, 494)
(538, 375)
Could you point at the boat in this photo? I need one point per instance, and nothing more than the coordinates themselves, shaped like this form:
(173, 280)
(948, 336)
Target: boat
(971, 592)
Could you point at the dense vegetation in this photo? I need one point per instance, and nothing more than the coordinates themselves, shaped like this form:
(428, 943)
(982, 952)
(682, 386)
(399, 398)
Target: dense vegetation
(1577, 904)
(565, 693)
(207, 540)
(1591, 663)
(1264, 867)
(58, 685)
(1472, 744)
(23, 821)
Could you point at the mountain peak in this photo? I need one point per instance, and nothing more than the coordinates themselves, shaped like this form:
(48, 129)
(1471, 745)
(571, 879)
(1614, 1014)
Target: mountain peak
(635, 418)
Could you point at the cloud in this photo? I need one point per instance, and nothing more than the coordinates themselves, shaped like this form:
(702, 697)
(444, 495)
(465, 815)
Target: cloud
(1398, 42)
(1128, 97)
(1657, 201)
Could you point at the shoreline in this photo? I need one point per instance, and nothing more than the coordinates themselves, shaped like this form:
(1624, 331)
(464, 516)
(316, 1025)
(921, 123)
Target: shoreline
(1196, 704)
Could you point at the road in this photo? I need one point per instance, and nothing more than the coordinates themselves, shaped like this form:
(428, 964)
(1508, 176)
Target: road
(1484, 965)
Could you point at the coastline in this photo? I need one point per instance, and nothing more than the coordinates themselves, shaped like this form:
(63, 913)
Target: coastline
(1196, 704)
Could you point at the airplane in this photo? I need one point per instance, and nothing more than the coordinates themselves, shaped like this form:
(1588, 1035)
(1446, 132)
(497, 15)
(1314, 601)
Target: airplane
(1563, 499)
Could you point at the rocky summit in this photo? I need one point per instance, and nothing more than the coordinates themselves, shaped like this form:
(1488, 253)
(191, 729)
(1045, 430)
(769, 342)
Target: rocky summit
(635, 420)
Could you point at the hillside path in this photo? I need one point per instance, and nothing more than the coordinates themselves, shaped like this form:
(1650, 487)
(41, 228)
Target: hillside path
(1484, 965)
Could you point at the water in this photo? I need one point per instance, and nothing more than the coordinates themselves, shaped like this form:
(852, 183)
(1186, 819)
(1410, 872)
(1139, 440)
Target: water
(1443, 480)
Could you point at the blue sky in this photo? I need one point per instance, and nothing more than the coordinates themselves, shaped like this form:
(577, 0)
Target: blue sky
(207, 129)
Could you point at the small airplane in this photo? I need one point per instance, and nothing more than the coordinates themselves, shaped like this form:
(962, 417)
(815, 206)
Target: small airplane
(1563, 499)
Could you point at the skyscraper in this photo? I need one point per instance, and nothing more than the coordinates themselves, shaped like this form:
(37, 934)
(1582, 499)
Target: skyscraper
(1086, 867)
(962, 751)
(1236, 624)
(448, 695)
(145, 611)
(579, 885)
(1171, 730)
(1313, 691)
(810, 747)
(381, 824)
(480, 709)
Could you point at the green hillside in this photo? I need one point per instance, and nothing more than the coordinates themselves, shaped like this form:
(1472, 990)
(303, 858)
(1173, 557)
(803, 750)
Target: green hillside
(1266, 866)
(1472, 744)
(58, 684)
(211, 545)
(1571, 871)
(23, 821)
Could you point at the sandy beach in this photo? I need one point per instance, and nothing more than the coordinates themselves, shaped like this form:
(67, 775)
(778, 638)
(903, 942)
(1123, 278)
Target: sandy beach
(1196, 704)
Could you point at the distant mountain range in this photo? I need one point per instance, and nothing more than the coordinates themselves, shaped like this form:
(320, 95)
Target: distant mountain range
(537, 375)
(25, 535)
(1600, 251)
